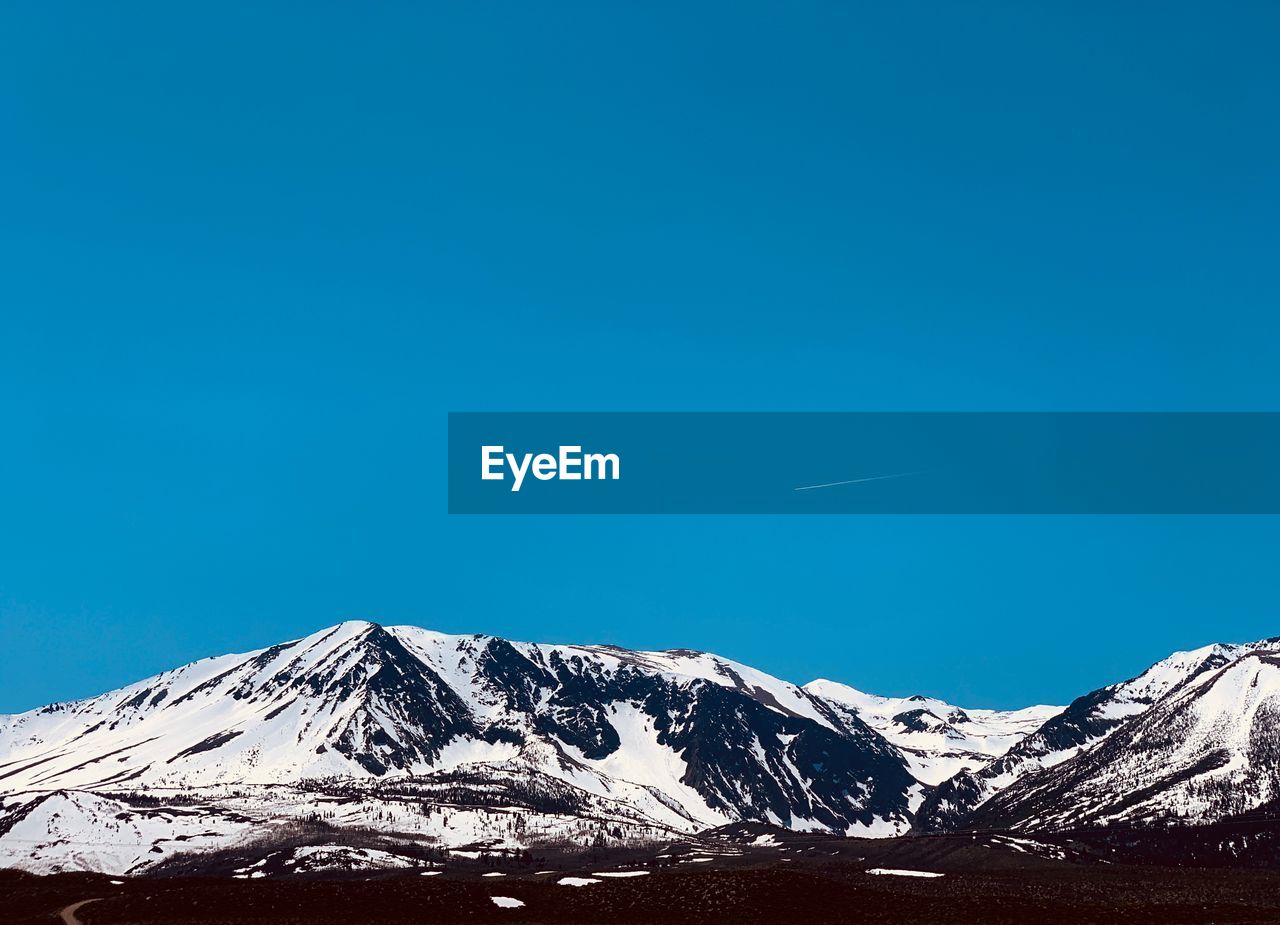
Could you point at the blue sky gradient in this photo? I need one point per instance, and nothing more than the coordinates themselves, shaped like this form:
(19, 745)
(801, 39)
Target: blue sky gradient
(253, 253)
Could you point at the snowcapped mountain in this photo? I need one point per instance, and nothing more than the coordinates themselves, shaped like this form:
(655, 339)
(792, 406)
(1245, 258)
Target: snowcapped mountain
(937, 739)
(470, 743)
(1207, 750)
(671, 741)
(1087, 721)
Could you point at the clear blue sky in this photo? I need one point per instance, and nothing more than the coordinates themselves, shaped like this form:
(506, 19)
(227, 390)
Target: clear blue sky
(250, 255)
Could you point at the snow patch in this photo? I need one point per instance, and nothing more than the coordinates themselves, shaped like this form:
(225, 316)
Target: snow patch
(621, 873)
(898, 872)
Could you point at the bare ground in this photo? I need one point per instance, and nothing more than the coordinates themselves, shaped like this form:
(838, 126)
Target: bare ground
(834, 891)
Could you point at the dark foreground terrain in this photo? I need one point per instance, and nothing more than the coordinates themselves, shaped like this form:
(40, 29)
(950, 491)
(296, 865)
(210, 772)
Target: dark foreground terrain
(744, 873)
(984, 879)
(834, 893)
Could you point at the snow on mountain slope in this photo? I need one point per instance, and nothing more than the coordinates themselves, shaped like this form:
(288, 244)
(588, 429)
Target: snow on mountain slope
(130, 832)
(1087, 721)
(690, 739)
(1207, 750)
(66, 831)
(938, 739)
(316, 707)
(460, 741)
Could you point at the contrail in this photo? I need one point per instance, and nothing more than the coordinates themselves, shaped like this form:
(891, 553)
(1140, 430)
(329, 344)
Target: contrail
(870, 478)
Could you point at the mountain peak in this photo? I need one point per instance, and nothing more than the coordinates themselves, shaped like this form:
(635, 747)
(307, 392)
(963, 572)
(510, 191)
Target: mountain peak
(349, 628)
(562, 736)
(691, 738)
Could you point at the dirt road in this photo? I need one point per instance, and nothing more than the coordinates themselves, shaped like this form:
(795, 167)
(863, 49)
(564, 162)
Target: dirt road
(69, 914)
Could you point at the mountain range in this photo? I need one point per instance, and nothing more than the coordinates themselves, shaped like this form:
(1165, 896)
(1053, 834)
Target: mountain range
(475, 743)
